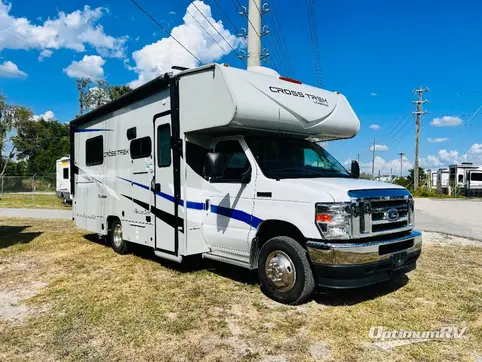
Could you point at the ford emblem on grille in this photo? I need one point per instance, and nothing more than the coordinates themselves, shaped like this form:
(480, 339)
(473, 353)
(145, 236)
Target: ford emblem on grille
(392, 215)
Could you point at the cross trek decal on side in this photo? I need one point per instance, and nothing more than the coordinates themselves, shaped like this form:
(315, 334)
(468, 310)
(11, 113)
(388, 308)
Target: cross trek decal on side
(216, 209)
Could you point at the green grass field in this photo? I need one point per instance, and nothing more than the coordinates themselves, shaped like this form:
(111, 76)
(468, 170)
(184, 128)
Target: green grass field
(31, 201)
(65, 296)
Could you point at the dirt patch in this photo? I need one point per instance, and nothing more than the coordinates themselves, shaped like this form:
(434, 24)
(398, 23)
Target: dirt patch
(12, 306)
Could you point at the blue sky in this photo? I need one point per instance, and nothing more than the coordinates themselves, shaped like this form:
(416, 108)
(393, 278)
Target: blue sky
(375, 52)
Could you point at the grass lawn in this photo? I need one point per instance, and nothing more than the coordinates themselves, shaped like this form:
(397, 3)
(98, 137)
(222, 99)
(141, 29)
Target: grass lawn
(33, 201)
(64, 296)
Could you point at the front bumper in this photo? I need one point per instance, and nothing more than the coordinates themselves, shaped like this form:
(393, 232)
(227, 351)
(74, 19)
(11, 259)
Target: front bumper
(352, 265)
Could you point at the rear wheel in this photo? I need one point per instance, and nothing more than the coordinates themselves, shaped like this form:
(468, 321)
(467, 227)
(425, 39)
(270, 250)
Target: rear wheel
(115, 235)
(284, 271)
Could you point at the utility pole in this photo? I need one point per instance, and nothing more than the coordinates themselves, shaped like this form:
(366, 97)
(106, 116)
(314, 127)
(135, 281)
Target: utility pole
(358, 158)
(255, 31)
(419, 113)
(401, 162)
(373, 160)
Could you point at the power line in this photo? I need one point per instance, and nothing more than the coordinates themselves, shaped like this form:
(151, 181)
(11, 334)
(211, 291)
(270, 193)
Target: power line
(163, 29)
(279, 34)
(310, 7)
(204, 16)
(202, 27)
(227, 17)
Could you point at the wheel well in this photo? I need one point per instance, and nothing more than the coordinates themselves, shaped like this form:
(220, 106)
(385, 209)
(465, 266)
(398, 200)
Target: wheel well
(271, 228)
(110, 220)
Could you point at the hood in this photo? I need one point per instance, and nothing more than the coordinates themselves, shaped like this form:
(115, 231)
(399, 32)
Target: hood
(337, 188)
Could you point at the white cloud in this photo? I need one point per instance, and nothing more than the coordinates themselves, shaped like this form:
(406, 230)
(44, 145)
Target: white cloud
(379, 148)
(373, 94)
(46, 53)
(90, 66)
(385, 167)
(10, 70)
(171, 13)
(445, 158)
(448, 156)
(446, 121)
(157, 58)
(74, 31)
(375, 126)
(437, 140)
(47, 116)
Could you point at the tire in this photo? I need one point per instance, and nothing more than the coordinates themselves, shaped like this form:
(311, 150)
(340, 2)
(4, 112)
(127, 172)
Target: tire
(294, 288)
(119, 245)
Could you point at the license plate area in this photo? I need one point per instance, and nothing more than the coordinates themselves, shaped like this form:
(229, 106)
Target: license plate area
(399, 260)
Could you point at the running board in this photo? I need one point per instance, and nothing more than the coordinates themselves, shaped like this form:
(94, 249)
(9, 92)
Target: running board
(226, 260)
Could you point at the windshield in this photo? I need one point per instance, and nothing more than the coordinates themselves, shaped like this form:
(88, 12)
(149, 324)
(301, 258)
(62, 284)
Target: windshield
(280, 157)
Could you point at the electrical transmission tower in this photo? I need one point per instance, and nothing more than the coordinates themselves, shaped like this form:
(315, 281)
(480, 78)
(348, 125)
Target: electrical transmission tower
(419, 113)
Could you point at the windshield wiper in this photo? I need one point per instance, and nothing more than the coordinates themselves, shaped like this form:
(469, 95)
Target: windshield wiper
(297, 169)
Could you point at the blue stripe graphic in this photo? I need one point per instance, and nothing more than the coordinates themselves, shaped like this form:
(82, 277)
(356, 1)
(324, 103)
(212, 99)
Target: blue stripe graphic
(93, 130)
(220, 210)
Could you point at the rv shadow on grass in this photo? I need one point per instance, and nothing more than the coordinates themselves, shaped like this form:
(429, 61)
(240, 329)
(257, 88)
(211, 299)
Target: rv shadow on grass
(354, 296)
(13, 235)
(196, 263)
(189, 264)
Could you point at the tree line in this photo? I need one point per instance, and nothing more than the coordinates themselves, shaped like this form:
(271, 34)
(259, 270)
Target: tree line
(30, 146)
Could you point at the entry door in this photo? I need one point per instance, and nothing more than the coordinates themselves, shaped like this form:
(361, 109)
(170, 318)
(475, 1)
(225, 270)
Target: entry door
(168, 224)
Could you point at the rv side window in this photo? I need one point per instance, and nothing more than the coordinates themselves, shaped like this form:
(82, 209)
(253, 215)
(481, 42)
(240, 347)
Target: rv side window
(475, 176)
(195, 157)
(235, 161)
(164, 145)
(94, 151)
(66, 173)
(461, 178)
(141, 147)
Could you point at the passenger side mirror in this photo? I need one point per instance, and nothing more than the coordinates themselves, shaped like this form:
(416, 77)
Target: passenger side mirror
(355, 169)
(214, 165)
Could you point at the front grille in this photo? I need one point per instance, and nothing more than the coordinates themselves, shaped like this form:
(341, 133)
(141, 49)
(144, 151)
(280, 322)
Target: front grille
(379, 212)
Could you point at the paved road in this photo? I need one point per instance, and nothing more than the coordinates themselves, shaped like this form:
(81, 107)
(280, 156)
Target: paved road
(451, 216)
(37, 213)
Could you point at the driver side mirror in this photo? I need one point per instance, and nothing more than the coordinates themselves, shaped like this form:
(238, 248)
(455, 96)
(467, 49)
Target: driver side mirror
(355, 169)
(214, 165)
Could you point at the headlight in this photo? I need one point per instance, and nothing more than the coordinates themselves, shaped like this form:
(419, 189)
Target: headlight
(333, 220)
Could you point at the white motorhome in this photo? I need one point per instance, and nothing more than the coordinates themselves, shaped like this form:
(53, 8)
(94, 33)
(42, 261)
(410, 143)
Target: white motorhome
(218, 161)
(443, 180)
(464, 179)
(433, 179)
(62, 187)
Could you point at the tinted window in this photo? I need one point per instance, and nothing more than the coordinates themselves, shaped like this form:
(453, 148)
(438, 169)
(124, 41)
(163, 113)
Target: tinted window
(475, 176)
(235, 161)
(94, 151)
(195, 156)
(66, 173)
(461, 178)
(141, 147)
(164, 145)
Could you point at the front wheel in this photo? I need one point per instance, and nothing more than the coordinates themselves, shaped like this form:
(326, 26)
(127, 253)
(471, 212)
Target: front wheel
(284, 271)
(115, 235)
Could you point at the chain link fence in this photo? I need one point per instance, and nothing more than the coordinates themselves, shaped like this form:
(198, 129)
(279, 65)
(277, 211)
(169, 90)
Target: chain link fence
(27, 184)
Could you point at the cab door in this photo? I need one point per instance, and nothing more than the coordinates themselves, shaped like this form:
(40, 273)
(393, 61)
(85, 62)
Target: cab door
(229, 201)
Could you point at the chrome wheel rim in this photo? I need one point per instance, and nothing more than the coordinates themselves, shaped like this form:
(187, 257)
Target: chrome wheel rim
(280, 271)
(117, 235)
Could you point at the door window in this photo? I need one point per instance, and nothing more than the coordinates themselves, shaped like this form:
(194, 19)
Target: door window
(235, 162)
(66, 173)
(164, 145)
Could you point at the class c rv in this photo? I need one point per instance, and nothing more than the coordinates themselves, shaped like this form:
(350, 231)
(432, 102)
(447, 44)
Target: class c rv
(221, 162)
(62, 185)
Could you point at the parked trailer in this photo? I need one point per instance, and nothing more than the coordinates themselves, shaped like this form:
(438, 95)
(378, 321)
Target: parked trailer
(62, 187)
(464, 179)
(443, 180)
(218, 161)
